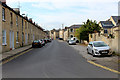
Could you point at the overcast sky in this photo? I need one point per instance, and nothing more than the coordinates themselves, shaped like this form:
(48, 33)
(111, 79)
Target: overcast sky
(51, 14)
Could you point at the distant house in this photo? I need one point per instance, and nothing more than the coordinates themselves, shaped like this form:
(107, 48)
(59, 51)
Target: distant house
(109, 25)
(61, 34)
(106, 26)
(114, 20)
(72, 30)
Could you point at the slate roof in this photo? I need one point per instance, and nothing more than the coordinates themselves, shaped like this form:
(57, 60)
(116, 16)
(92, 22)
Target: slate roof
(116, 18)
(75, 26)
(106, 24)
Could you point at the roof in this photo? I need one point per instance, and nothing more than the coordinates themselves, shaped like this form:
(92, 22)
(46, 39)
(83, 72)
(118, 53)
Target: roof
(75, 26)
(116, 18)
(106, 24)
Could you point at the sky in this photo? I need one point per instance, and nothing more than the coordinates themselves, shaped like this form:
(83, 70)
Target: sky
(51, 14)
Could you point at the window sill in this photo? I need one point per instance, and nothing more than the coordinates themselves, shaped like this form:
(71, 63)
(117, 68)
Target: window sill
(4, 44)
(4, 20)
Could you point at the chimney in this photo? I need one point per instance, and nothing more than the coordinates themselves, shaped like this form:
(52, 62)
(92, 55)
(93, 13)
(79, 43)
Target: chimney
(30, 19)
(3, 1)
(17, 10)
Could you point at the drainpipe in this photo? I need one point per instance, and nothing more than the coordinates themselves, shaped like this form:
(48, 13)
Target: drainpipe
(0, 29)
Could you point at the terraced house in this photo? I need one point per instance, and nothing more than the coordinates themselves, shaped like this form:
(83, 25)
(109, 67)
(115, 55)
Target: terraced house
(17, 30)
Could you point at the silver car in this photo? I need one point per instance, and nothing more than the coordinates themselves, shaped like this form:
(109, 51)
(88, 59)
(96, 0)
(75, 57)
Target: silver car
(72, 42)
(98, 48)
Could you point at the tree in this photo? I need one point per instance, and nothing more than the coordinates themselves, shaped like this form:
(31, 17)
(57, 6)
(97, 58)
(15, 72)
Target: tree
(87, 28)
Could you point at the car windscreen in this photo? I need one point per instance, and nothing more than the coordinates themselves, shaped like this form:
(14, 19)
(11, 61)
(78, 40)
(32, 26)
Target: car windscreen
(99, 44)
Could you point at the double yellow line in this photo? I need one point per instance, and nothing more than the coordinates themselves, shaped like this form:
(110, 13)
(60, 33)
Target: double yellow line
(91, 62)
(6, 61)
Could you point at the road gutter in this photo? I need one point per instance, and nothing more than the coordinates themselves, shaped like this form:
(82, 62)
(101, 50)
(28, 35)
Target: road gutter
(9, 58)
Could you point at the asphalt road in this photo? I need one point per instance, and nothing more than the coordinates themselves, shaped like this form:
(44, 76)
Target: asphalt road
(55, 60)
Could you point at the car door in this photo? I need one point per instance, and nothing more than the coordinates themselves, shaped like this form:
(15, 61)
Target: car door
(89, 47)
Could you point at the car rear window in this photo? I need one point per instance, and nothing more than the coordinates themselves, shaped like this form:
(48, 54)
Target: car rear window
(35, 41)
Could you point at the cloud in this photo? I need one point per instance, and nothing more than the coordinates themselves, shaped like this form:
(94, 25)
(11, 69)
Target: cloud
(68, 11)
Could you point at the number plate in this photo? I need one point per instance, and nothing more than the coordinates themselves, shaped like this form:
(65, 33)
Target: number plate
(104, 52)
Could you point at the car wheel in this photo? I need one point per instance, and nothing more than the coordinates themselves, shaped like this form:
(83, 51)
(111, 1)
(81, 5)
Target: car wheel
(93, 53)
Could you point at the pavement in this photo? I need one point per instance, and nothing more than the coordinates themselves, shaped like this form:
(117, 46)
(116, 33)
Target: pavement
(14, 52)
(55, 60)
(111, 62)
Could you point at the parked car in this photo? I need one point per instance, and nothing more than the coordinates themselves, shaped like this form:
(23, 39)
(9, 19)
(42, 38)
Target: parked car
(72, 42)
(98, 48)
(75, 38)
(68, 39)
(48, 40)
(42, 42)
(36, 43)
(45, 40)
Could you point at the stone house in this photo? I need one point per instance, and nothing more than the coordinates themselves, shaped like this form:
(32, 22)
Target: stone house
(54, 34)
(61, 34)
(16, 30)
(72, 30)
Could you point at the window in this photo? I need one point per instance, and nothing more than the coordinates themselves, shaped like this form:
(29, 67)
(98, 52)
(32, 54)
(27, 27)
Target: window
(4, 37)
(11, 22)
(3, 14)
(71, 36)
(17, 21)
(25, 25)
(106, 31)
(17, 37)
(22, 24)
(71, 30)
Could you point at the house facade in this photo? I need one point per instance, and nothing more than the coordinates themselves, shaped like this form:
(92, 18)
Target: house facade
(109, 25)
(66, 34)
(0, 28)
(17, 30)
(54, 34)
(72, 30)
(61, 34)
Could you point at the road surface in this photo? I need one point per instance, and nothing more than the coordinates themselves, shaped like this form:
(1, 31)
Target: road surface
(55, 60)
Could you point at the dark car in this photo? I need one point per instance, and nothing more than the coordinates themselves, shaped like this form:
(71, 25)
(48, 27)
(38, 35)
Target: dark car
(48, 40)
(45, 40)
(36, 44)
(42, 42)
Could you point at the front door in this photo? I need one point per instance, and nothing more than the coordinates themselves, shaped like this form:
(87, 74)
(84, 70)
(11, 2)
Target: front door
(11, 40)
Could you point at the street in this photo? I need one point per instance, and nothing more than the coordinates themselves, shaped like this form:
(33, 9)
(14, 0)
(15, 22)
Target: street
(55, 60)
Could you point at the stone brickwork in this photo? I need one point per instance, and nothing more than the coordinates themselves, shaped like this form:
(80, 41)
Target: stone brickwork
(16, 24)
